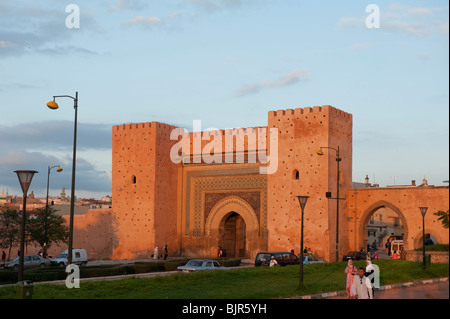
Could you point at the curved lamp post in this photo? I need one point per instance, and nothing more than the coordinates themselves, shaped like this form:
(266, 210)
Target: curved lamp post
(53, 105)
(328, 195)
(25, 178)
(302, 200)
(59, 169)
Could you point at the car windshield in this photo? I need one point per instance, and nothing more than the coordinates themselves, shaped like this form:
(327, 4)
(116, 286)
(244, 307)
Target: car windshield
(62, 255)
(15, 259)
(195, 263)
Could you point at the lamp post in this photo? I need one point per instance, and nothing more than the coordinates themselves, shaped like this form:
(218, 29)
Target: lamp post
(59, 169)
(25, 178)
(302, 200)
(423, 211)
(53, 105)
(328, 195)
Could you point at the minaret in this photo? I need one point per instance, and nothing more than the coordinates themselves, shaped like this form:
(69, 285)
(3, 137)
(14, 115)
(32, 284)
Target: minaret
(63, 193)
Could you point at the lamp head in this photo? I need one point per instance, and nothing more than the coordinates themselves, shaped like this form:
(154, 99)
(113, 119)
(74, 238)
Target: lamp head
(52, 105)
(302, 200)
(320, 152)
(59, 169)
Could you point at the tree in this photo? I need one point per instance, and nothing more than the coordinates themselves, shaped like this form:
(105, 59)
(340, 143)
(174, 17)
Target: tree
(47, 228)
(443, 217)
(10, 221)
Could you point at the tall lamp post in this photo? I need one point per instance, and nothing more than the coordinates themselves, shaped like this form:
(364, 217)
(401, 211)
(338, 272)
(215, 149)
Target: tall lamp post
(423, 211)
(328, 195)
(53, 105)
(25, 178)
(59, 169)
(302, 200)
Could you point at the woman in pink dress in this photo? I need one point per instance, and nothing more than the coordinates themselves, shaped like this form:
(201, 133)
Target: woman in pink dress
(351, 272)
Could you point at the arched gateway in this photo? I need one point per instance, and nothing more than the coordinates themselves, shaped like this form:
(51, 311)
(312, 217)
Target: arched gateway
(233, 225)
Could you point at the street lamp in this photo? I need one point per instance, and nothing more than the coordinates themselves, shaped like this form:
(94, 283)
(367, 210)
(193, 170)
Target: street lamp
(302, 200)
(328, 195)
(53, 105)
(59, 169)
(423, 211)
(25, 178)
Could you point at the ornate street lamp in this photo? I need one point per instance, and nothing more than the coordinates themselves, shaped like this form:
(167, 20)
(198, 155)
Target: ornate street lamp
(302, 200)
(328, 195)
(25, 178)
(53, 105)
(423, 211)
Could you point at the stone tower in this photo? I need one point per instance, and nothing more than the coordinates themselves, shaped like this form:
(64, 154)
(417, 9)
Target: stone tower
(302, 132)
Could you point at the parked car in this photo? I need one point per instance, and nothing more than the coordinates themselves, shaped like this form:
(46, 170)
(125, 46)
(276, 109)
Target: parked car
(79, 257)
(29, 261)
(355, 255)
(199, 264)
(282, 258)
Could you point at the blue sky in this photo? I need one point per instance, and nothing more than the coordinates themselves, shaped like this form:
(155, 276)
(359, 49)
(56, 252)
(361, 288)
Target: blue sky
(226, 63)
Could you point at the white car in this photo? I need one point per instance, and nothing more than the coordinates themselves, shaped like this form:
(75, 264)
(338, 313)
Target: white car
(199, 264)
(79, 257)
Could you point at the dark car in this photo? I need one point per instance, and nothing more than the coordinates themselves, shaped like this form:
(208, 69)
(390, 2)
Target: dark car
(355, 255)
(282, 258)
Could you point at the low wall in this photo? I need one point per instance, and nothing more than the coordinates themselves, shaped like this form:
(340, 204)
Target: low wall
(437, 257)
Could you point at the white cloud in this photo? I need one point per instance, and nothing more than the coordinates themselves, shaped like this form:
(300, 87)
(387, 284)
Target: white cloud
(291, 78)
(360, 46)
(144, 21)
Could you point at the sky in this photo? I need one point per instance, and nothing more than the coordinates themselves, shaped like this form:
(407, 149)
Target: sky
(226, 63)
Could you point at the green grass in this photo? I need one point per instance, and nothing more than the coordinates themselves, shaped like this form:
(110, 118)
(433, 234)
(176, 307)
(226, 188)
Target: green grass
(246, 283)
(439, 247)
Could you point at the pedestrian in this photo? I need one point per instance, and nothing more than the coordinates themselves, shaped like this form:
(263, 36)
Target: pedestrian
(395, 255)
(219, 251)
(370, 273)
(165, 252)
(351, 272)
(361, 287)
(375, 255)
(155, 253)
(273, 262)
(3, 256)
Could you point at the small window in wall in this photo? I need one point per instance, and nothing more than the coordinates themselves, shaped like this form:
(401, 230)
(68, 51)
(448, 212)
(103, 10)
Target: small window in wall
(296, 174)
(133, 179)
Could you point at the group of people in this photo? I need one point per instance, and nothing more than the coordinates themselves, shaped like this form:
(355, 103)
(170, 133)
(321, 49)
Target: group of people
(164, 254)
(358, 284)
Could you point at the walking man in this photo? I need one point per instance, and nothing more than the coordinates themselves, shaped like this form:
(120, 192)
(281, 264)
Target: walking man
(362, 287)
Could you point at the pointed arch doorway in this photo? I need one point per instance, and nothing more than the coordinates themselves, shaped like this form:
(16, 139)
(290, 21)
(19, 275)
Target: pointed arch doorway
(232, 235)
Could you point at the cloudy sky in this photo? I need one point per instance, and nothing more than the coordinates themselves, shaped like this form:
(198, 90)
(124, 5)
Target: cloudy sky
(226, 63)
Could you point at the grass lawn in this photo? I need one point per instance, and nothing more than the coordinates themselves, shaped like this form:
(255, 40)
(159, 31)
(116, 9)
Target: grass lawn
(246, 283)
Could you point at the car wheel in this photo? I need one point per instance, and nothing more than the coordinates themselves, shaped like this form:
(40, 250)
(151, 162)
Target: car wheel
(43, 265)
(15, 268)
(61, 264)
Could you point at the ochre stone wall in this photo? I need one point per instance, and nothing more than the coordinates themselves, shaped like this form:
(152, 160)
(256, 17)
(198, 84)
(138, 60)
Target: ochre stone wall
(158, 201)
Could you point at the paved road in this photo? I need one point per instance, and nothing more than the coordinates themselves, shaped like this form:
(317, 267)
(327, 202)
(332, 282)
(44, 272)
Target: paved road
(425, 291)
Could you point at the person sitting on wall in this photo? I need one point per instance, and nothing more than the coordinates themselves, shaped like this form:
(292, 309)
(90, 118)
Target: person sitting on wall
(273, 262)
